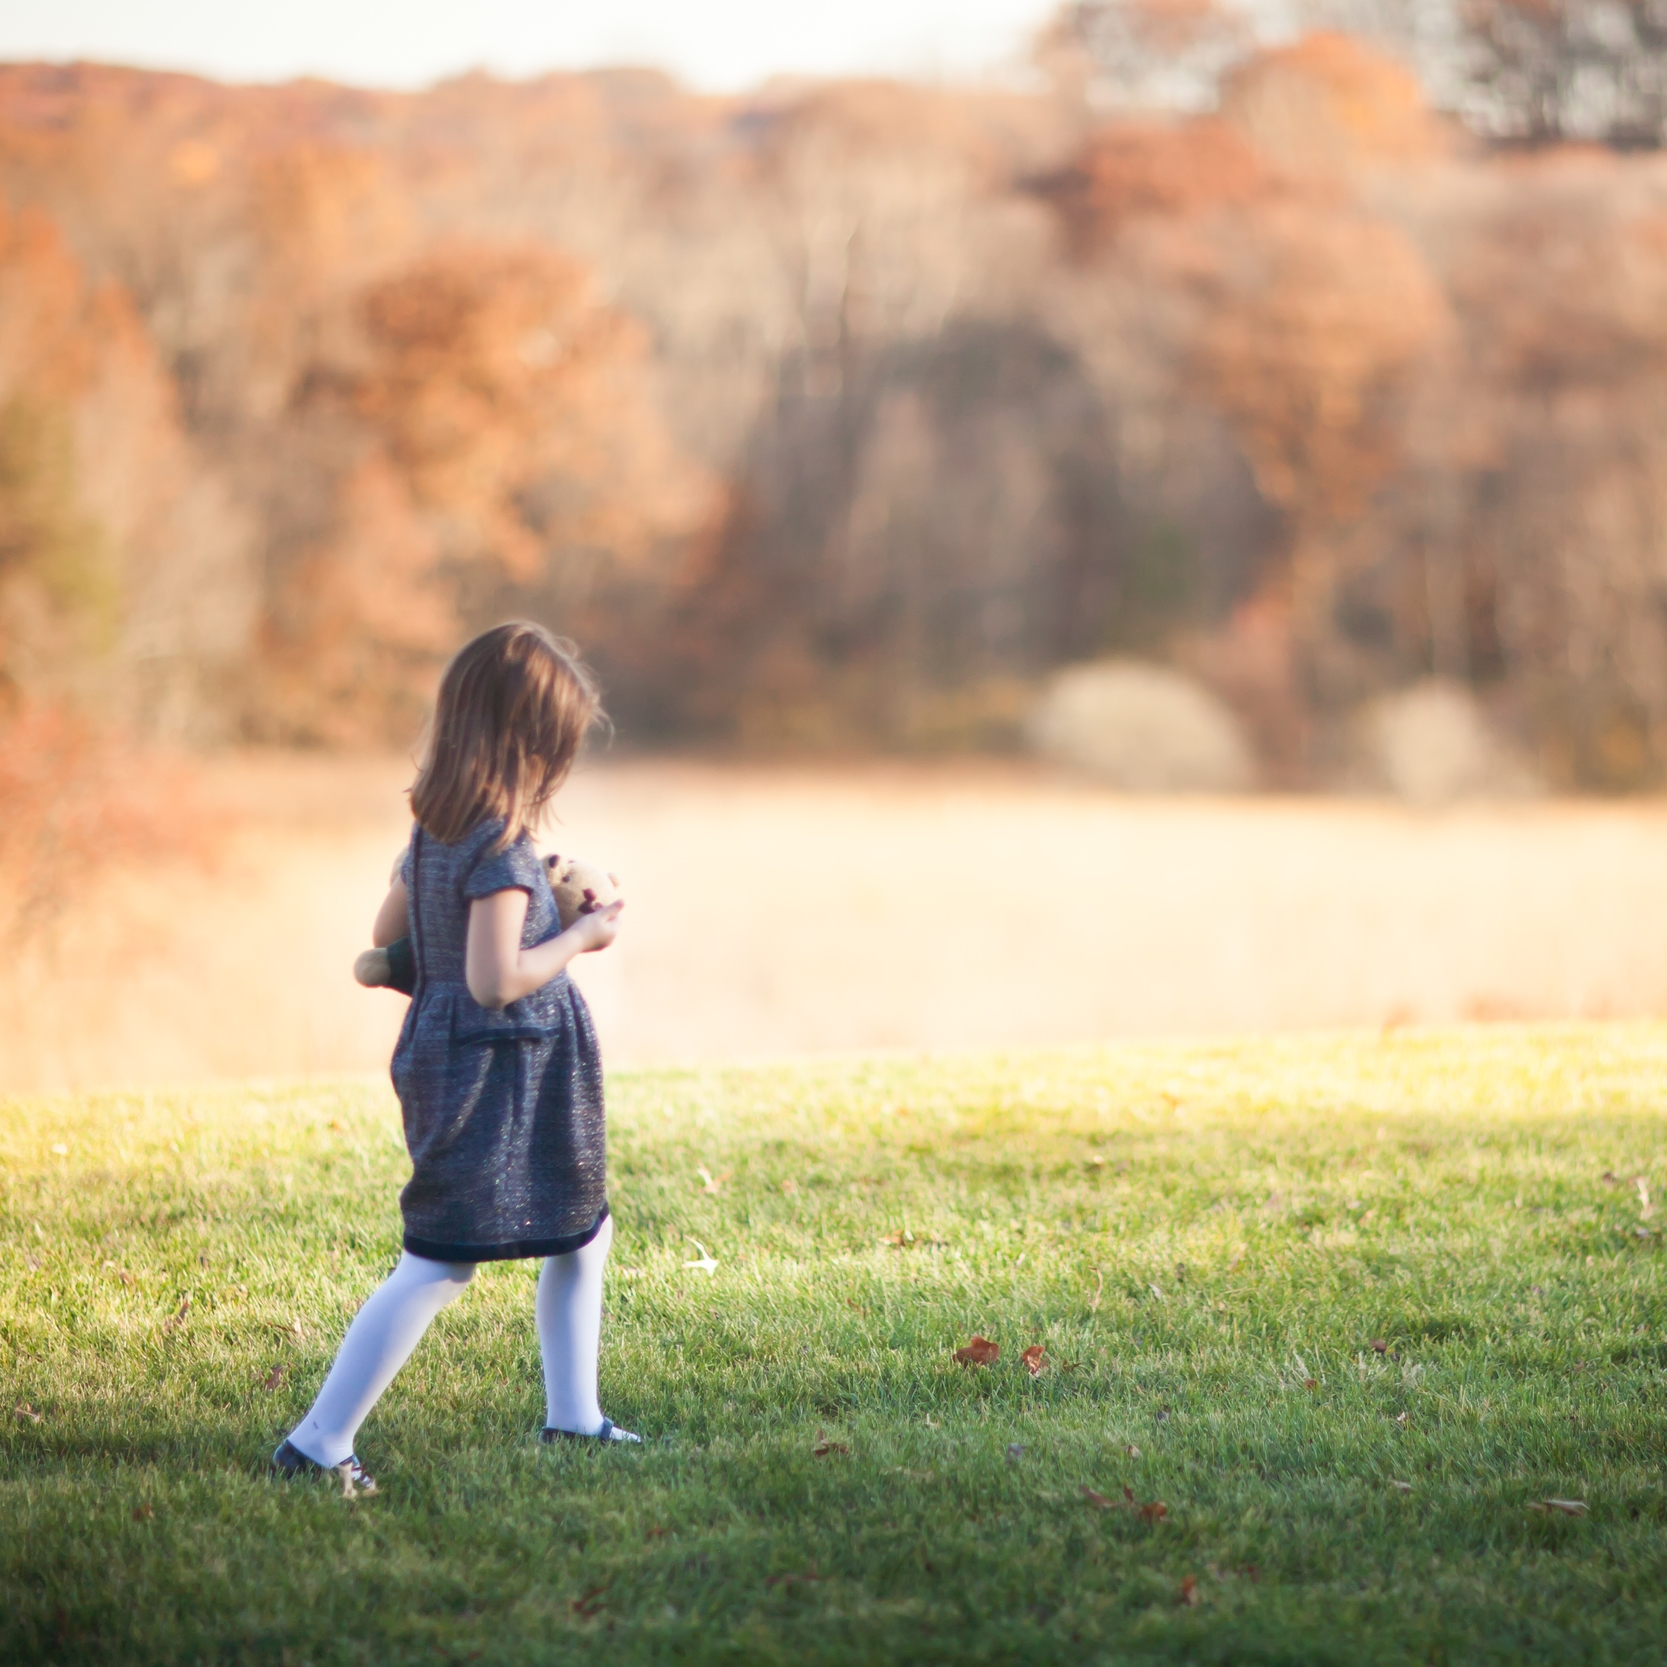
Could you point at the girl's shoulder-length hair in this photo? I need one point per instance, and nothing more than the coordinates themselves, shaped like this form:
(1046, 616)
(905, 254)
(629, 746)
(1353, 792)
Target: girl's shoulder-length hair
(514, 706)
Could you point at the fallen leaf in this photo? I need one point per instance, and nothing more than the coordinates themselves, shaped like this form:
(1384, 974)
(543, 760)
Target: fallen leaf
(587, 1603)
(1400, 1487)
(1188, 1596)
(824, 1447)
(1016, 1450)
(1132, 1451)
(143, 1513)
(803, 1577)
(706, 1262)
(1565, 1507)
(25, 1411)
(1099, 1501)
(1378, 1346)
(979, 1352)
(1035, 1359)
(179, 1314)
(1154, 1511)
(1311, 1383)
(274, 1377)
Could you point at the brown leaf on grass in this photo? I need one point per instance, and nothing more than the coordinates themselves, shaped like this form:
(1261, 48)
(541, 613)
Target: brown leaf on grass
(274, 1377)
(586, 1604)
(1099, 1501)
(1188, 1597)
(1563, 1507)
(798, 1577)
(1310, 1383)
(143, 1513)
(1153, 1511)
(979, 1352)
(179, 1314)
(1378, 1346)
(824, 1447)
(1132, 1451)
(1035, 1359)
(26, 1412)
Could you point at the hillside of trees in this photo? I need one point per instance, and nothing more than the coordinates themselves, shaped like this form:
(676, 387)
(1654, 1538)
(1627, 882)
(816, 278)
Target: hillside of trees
(839, 415)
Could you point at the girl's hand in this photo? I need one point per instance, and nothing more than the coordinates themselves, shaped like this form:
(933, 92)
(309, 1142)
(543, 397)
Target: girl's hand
(599, 928)
(498, 970)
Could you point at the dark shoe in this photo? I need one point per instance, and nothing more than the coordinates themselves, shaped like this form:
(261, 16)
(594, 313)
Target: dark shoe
(610, 1431)
(290, 1461)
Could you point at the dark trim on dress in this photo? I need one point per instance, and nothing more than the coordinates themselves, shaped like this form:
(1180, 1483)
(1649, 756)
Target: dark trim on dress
(511, 1252)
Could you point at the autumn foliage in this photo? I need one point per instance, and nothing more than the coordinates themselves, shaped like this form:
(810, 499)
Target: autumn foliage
(836, 416)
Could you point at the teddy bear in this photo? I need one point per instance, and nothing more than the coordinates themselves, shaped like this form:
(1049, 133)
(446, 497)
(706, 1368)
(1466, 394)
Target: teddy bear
(579, 886)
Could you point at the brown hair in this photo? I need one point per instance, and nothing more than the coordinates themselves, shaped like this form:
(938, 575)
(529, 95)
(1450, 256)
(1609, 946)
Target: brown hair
(514, 705)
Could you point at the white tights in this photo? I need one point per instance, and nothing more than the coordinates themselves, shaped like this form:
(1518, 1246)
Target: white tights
(393, 1319)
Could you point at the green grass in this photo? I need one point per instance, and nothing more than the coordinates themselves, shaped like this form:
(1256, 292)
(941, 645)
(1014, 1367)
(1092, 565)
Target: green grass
(1209, 1237)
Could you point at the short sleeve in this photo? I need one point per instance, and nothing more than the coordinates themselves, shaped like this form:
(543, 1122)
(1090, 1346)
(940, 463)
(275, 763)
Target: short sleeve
(516, 869)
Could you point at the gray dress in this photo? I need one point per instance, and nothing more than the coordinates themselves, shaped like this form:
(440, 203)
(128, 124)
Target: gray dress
(503, 1109)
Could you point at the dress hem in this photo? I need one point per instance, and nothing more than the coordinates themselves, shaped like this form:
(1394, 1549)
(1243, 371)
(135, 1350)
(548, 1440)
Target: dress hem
(515, 1250)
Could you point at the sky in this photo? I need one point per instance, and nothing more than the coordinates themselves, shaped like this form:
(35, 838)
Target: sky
(714, 45)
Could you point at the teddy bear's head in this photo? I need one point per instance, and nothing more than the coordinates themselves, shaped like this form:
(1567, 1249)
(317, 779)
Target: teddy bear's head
(579, 886)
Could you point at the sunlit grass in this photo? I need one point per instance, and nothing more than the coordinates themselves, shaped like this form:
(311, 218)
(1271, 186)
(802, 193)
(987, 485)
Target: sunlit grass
(1207, 1241)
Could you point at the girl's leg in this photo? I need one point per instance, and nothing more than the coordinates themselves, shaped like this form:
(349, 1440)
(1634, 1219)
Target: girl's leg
(570, 1333)
(377, 1344)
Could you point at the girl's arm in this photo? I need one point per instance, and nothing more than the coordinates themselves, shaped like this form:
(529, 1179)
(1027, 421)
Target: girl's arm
(498, 970)
(393, 919)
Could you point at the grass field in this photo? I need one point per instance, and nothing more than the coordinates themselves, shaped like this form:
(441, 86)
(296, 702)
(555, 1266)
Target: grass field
(1208, 1241)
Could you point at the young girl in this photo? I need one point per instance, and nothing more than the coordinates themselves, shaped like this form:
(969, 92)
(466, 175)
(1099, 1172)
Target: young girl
(496, 1067)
